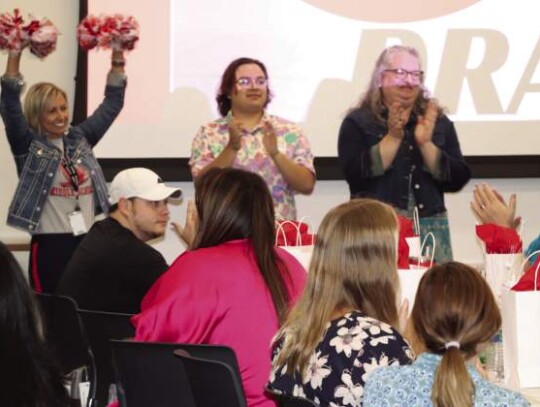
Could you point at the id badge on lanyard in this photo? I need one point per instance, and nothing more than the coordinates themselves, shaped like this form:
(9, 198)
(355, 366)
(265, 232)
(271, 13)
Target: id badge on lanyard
(76, 218)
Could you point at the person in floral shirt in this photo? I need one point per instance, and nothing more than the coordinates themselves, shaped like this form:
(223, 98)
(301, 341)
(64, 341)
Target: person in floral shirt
(248, 138)
(344, 325)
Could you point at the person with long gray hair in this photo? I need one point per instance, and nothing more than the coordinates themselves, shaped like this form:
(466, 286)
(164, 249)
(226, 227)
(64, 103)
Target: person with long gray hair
(398, 146)
(347, 321)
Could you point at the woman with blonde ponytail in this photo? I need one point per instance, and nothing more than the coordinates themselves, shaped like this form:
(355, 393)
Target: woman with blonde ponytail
(454, 315)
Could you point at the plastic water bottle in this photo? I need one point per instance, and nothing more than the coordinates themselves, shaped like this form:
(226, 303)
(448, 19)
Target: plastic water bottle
(494, 358)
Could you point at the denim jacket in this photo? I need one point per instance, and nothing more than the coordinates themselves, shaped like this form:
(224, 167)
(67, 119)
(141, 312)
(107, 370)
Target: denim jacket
(37, 159)
(359, 137)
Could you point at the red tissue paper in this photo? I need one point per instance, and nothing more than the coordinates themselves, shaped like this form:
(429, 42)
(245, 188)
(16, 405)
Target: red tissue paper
(527, 280)
(293, 233)
(405, 230)
(499, 239)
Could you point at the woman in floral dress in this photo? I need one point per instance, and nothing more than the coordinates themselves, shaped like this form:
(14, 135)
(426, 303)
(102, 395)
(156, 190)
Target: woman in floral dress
(344, 325)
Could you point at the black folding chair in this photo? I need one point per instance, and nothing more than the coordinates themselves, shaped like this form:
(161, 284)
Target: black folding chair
(99, 327)
(213, 383)
(65, 335)
(148, 374)
(287, 400)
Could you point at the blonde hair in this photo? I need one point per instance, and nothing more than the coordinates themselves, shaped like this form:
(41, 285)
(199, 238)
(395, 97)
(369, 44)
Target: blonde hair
(454, 304)
(38, 97)
(353, 267)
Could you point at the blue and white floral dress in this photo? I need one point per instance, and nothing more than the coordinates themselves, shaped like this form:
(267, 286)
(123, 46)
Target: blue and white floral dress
(412, 386)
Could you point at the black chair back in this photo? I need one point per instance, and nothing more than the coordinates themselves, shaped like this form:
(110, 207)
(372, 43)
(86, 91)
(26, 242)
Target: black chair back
(148, 374)
(65, 335)
(64, 331)
(100, 327)
(213, 383)
(287, 400)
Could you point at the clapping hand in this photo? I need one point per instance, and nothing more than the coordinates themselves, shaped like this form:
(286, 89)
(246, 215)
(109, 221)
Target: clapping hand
(188, 232)
(270, 140)
(397, 118)
(423, 132)
(236, 128)
(489, 206)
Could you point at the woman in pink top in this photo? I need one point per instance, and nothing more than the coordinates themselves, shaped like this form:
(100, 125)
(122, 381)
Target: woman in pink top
(233, 287)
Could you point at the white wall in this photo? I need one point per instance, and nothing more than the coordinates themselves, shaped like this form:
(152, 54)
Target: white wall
(59, 68)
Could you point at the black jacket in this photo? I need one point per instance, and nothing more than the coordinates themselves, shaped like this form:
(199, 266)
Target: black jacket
(360, 131)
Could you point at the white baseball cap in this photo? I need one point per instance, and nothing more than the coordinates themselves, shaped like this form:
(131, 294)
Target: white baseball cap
(140, 183)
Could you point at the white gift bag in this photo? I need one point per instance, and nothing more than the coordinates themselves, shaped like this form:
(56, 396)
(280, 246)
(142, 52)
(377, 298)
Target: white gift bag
(302, 253)
(521, 337)
(409, 279)
(500, 269)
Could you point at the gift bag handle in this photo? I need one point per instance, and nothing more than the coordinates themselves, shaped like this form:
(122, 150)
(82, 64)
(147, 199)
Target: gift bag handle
(416, 222)
(280, 229)
(430, 234)
(296, 225)
(535, 271)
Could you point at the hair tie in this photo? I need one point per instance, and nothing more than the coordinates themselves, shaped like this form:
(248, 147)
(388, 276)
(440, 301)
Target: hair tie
(451, 344)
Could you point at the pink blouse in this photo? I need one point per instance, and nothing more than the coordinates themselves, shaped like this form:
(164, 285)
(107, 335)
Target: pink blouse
(216, 296)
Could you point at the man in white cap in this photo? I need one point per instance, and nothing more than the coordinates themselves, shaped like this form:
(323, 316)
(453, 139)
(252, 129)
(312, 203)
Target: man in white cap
(113, 267)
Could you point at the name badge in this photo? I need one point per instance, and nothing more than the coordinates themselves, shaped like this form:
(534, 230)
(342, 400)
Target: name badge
(76, 220)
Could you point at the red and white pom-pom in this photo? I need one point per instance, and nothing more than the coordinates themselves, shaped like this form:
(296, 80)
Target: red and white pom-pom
(43, 36)
(89, 32)
(116, 32)
(119, 32)
(13, 37)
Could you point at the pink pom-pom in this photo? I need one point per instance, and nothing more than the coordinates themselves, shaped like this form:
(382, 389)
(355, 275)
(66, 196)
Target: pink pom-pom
(88, 32)
(43, 36)
(117, 32)
(13, 37)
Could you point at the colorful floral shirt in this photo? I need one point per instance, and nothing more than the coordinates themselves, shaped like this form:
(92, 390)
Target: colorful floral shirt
(412, 385)
(212, 138)
(352, 347)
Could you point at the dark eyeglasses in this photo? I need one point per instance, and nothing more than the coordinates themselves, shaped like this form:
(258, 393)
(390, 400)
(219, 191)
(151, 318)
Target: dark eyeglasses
(402, 74)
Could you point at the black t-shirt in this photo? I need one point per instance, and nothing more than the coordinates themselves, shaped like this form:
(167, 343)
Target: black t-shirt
(111, 270)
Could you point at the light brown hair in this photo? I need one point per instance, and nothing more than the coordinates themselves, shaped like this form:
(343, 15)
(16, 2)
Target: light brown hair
(353, 267)
(454, 304)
